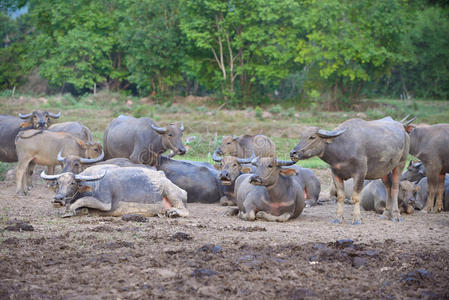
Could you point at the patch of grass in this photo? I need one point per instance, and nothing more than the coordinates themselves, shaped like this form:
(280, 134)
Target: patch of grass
(259, 112)
(5, 167)
(275, 110)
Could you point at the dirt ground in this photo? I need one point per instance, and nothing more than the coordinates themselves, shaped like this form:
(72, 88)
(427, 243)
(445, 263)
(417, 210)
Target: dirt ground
(208, 255)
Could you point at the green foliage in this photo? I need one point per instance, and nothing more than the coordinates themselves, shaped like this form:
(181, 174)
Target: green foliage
(276, 109)
(259, 112)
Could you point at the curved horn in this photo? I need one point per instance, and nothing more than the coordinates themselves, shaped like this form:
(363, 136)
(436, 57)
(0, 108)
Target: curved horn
(254, 161)
(330, 134)
(215, 157)
(408, 122)
(49, 177)
(54, 116)
(90, 178)
(92, 160)
(60, 158)
(246, 160)
(403, 120)
(160, 130)
(282, 163)
(181, 127)
(25, 116)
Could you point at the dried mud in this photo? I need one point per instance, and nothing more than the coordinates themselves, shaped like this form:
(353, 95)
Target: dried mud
(208, 255)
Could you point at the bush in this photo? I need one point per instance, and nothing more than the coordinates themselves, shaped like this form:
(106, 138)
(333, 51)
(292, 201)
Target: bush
(259, 112)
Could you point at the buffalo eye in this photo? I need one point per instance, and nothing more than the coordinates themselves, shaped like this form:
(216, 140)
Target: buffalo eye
(270, 166)
(170, 134)
(234, 165)
(312, 137)
(228, 143)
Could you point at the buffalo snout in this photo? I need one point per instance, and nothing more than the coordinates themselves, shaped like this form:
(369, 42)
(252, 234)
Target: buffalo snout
(256, 180)
(224, 175)
(182, 150)
(59, 198)
(295, 155)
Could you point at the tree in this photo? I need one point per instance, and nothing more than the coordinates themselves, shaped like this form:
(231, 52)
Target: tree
(350, 42)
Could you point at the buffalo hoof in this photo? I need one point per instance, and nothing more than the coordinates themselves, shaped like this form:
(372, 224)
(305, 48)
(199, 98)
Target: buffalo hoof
(68, 214)
(337, 221)
(173, 213)
(436, 210)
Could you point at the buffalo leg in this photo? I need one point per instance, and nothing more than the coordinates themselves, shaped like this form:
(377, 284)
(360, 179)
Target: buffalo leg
(339, 185)
(387, 182)
(248, 216)
(432, 186)
(391, 207)
(29, 177)
(21, 177)
(271, 218)
(440, 191)
(89, 202)
(358, 186)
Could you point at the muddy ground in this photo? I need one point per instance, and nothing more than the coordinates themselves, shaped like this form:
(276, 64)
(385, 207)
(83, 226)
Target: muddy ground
(212, 256)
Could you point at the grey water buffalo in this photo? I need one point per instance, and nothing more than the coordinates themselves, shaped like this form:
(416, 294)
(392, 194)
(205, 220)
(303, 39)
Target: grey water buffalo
(230, 168)
(198, 180)
(245, 145)
(360, 150)
(422, 194)
(374, 196)
(75, 128)
(272, 193)
(10, 126)
(141, 140)
(415, 172)
(116, 191)
(42, 148)
(431, 145)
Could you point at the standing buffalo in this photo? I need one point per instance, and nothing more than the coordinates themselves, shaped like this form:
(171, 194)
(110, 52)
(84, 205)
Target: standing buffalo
(230, 168)
(431, 145)
(141, 140)
(116, 191)
(272, 193)
(359, 149)
(198, 180)
(244, 146)
(74, 128)
(10, 127)
(42, 148)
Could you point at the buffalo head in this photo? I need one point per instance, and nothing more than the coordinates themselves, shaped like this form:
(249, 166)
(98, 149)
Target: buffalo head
(171, 138)
(269, 169)
(313, 141)
(69, 185)
(229, 146)
(74, 164)
(231, 167)
(415, 171)
(38, 119)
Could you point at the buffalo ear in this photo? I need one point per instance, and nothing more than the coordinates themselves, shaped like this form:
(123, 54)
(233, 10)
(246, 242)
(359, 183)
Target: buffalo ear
(26, 124)
(417, 188)
(246, 170)
(85, 189)
(217, 167)
(288, 172)
(82, 144)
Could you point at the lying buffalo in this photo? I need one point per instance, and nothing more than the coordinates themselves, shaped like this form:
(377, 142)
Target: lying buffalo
(141, 140)
(197, 179)
(374, 196)
(230, 168)
(116, 191)
(245, 145)
(360, 150)
(10, 126)
(74, 128)
(431, 145)
(422, 194)
(42, 148)
(415, 172)
(272, 193)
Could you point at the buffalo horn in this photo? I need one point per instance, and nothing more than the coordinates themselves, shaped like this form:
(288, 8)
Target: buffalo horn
(215, 157)
(255, 160)
(54, 116)
(181, 127)
(406, 123)
(330, 134)
(90, 178)
(246, 160)
(282, 163)
(160, 130)
(403, 120)
(92, 160)
(25, 116)
(49, 177)
(60, 158)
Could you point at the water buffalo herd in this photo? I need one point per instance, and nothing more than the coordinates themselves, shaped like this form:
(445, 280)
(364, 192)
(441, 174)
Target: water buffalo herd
(130, 173)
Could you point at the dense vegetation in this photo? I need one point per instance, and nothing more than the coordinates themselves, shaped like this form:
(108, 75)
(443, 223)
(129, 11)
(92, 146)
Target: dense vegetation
(337, 51)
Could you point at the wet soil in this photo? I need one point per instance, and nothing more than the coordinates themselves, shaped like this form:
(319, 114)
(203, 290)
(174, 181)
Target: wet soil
(208, 255)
